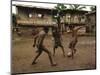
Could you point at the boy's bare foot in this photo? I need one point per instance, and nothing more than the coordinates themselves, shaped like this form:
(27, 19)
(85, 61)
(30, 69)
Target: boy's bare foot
(54, 64)
(33, 63)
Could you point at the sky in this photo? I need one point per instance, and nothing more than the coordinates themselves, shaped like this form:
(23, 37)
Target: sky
(43, 5)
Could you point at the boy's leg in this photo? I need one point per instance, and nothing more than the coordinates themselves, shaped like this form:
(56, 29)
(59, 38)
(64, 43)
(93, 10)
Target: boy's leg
(71, 46)
(63, 50)
(72, 53)
(74, 47)
(34, 61)
(75, 51)
(50, 57)
(54, 51)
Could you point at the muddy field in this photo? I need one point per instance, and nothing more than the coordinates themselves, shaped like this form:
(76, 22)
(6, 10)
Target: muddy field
(23, 54)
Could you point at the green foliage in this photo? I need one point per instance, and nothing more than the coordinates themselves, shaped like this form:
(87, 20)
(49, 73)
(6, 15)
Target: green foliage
(14, 19)
(93, 8)
(60, 13)
(76, 7)
(60, 9)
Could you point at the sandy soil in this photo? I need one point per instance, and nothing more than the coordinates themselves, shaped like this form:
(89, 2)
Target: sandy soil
(23, 54)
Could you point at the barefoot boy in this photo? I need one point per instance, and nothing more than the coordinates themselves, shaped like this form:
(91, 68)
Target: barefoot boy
(74, 40)
(39, 43)
(57, 40)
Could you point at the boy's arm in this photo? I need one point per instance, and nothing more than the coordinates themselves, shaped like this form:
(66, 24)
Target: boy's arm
(79, 28)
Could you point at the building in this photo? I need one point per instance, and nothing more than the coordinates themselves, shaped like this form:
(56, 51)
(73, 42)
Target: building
(91, 21)
(30, 16)
(44, 16)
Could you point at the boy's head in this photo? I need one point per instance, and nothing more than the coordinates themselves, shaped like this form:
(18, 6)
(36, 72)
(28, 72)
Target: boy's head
(46, 29)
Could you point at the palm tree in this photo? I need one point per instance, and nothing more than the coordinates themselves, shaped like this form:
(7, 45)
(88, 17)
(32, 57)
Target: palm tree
(75, 8)
(15, 25)
(14, 19)
(93, 8)
(60, 13)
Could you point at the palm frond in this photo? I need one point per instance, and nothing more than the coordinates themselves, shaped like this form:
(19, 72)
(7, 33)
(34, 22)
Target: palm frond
(80, 8)
(93, 8)
(71, 6)
(76, 7)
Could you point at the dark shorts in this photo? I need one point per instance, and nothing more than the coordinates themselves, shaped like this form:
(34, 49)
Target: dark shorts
(57, 43)
(40, 47)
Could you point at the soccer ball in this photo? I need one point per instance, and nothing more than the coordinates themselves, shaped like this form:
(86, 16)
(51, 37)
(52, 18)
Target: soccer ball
(69, 54)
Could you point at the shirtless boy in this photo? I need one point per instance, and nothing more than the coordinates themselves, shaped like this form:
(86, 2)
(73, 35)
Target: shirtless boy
(74, 40)
(39, 43)
(57, 40)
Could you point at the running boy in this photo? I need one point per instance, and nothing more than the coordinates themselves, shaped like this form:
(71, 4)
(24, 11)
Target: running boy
(38, 42)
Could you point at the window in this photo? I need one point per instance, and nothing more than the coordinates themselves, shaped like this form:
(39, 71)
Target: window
(30, 15)
(40, 15)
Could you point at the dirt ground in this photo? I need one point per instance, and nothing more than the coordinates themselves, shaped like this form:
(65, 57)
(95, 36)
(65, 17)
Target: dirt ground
(23, 54)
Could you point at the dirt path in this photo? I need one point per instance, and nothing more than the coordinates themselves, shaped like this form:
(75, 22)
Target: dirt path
(23, 53)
